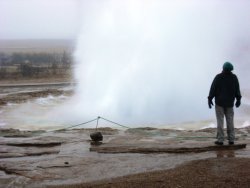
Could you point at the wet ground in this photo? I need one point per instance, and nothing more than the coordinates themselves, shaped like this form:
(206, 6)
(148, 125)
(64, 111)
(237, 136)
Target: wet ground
(205, 173)
(41, 159)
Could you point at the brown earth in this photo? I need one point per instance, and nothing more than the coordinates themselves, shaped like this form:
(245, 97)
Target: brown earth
(47, 79)
(216, 172)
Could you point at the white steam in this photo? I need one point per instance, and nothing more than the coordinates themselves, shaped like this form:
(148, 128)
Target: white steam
(152, 61)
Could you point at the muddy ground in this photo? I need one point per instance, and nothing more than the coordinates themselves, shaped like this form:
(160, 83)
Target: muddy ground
(68, 158)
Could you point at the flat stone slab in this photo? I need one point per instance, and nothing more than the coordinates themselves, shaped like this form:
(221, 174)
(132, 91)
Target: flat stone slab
(35, 153)
(161, 149)
(49, 144)
(14, 151)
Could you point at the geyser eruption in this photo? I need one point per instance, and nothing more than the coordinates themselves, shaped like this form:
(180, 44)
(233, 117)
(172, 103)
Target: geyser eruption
(145, 62)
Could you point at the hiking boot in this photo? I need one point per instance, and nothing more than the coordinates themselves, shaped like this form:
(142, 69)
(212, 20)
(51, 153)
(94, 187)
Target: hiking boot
(218, 143)
(231, 142)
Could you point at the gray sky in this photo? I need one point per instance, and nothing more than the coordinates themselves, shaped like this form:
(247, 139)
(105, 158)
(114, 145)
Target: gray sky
(29, 19)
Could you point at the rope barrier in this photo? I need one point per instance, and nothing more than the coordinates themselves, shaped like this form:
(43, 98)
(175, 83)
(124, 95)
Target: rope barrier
(97, 122)
(81, 124)
(99, 117)
(114, 122)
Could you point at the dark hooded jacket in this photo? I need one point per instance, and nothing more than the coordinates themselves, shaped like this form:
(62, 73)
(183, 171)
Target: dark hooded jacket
(225, 88)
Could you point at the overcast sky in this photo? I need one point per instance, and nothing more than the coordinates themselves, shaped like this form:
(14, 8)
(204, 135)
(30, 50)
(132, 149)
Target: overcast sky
(29, 19)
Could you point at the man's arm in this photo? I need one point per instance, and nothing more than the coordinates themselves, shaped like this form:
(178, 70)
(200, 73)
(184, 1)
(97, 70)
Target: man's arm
(212, 93)
(212, 89)
(237, 93)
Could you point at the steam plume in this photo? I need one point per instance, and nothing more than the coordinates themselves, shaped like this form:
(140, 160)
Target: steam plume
(147, 61)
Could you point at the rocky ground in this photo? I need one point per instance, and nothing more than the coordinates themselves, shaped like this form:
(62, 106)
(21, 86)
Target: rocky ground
(67, 158)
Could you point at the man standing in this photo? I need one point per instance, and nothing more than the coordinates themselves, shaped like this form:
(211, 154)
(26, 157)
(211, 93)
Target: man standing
(225, 88)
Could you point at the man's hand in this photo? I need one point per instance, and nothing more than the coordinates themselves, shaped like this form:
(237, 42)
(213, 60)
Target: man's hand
(210, 103)
(237, 104)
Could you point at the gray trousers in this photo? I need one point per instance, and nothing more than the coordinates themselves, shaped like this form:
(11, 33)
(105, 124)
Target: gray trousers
(229, 114)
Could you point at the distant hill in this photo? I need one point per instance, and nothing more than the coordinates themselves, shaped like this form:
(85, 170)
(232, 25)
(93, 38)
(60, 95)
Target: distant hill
(37, 45)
